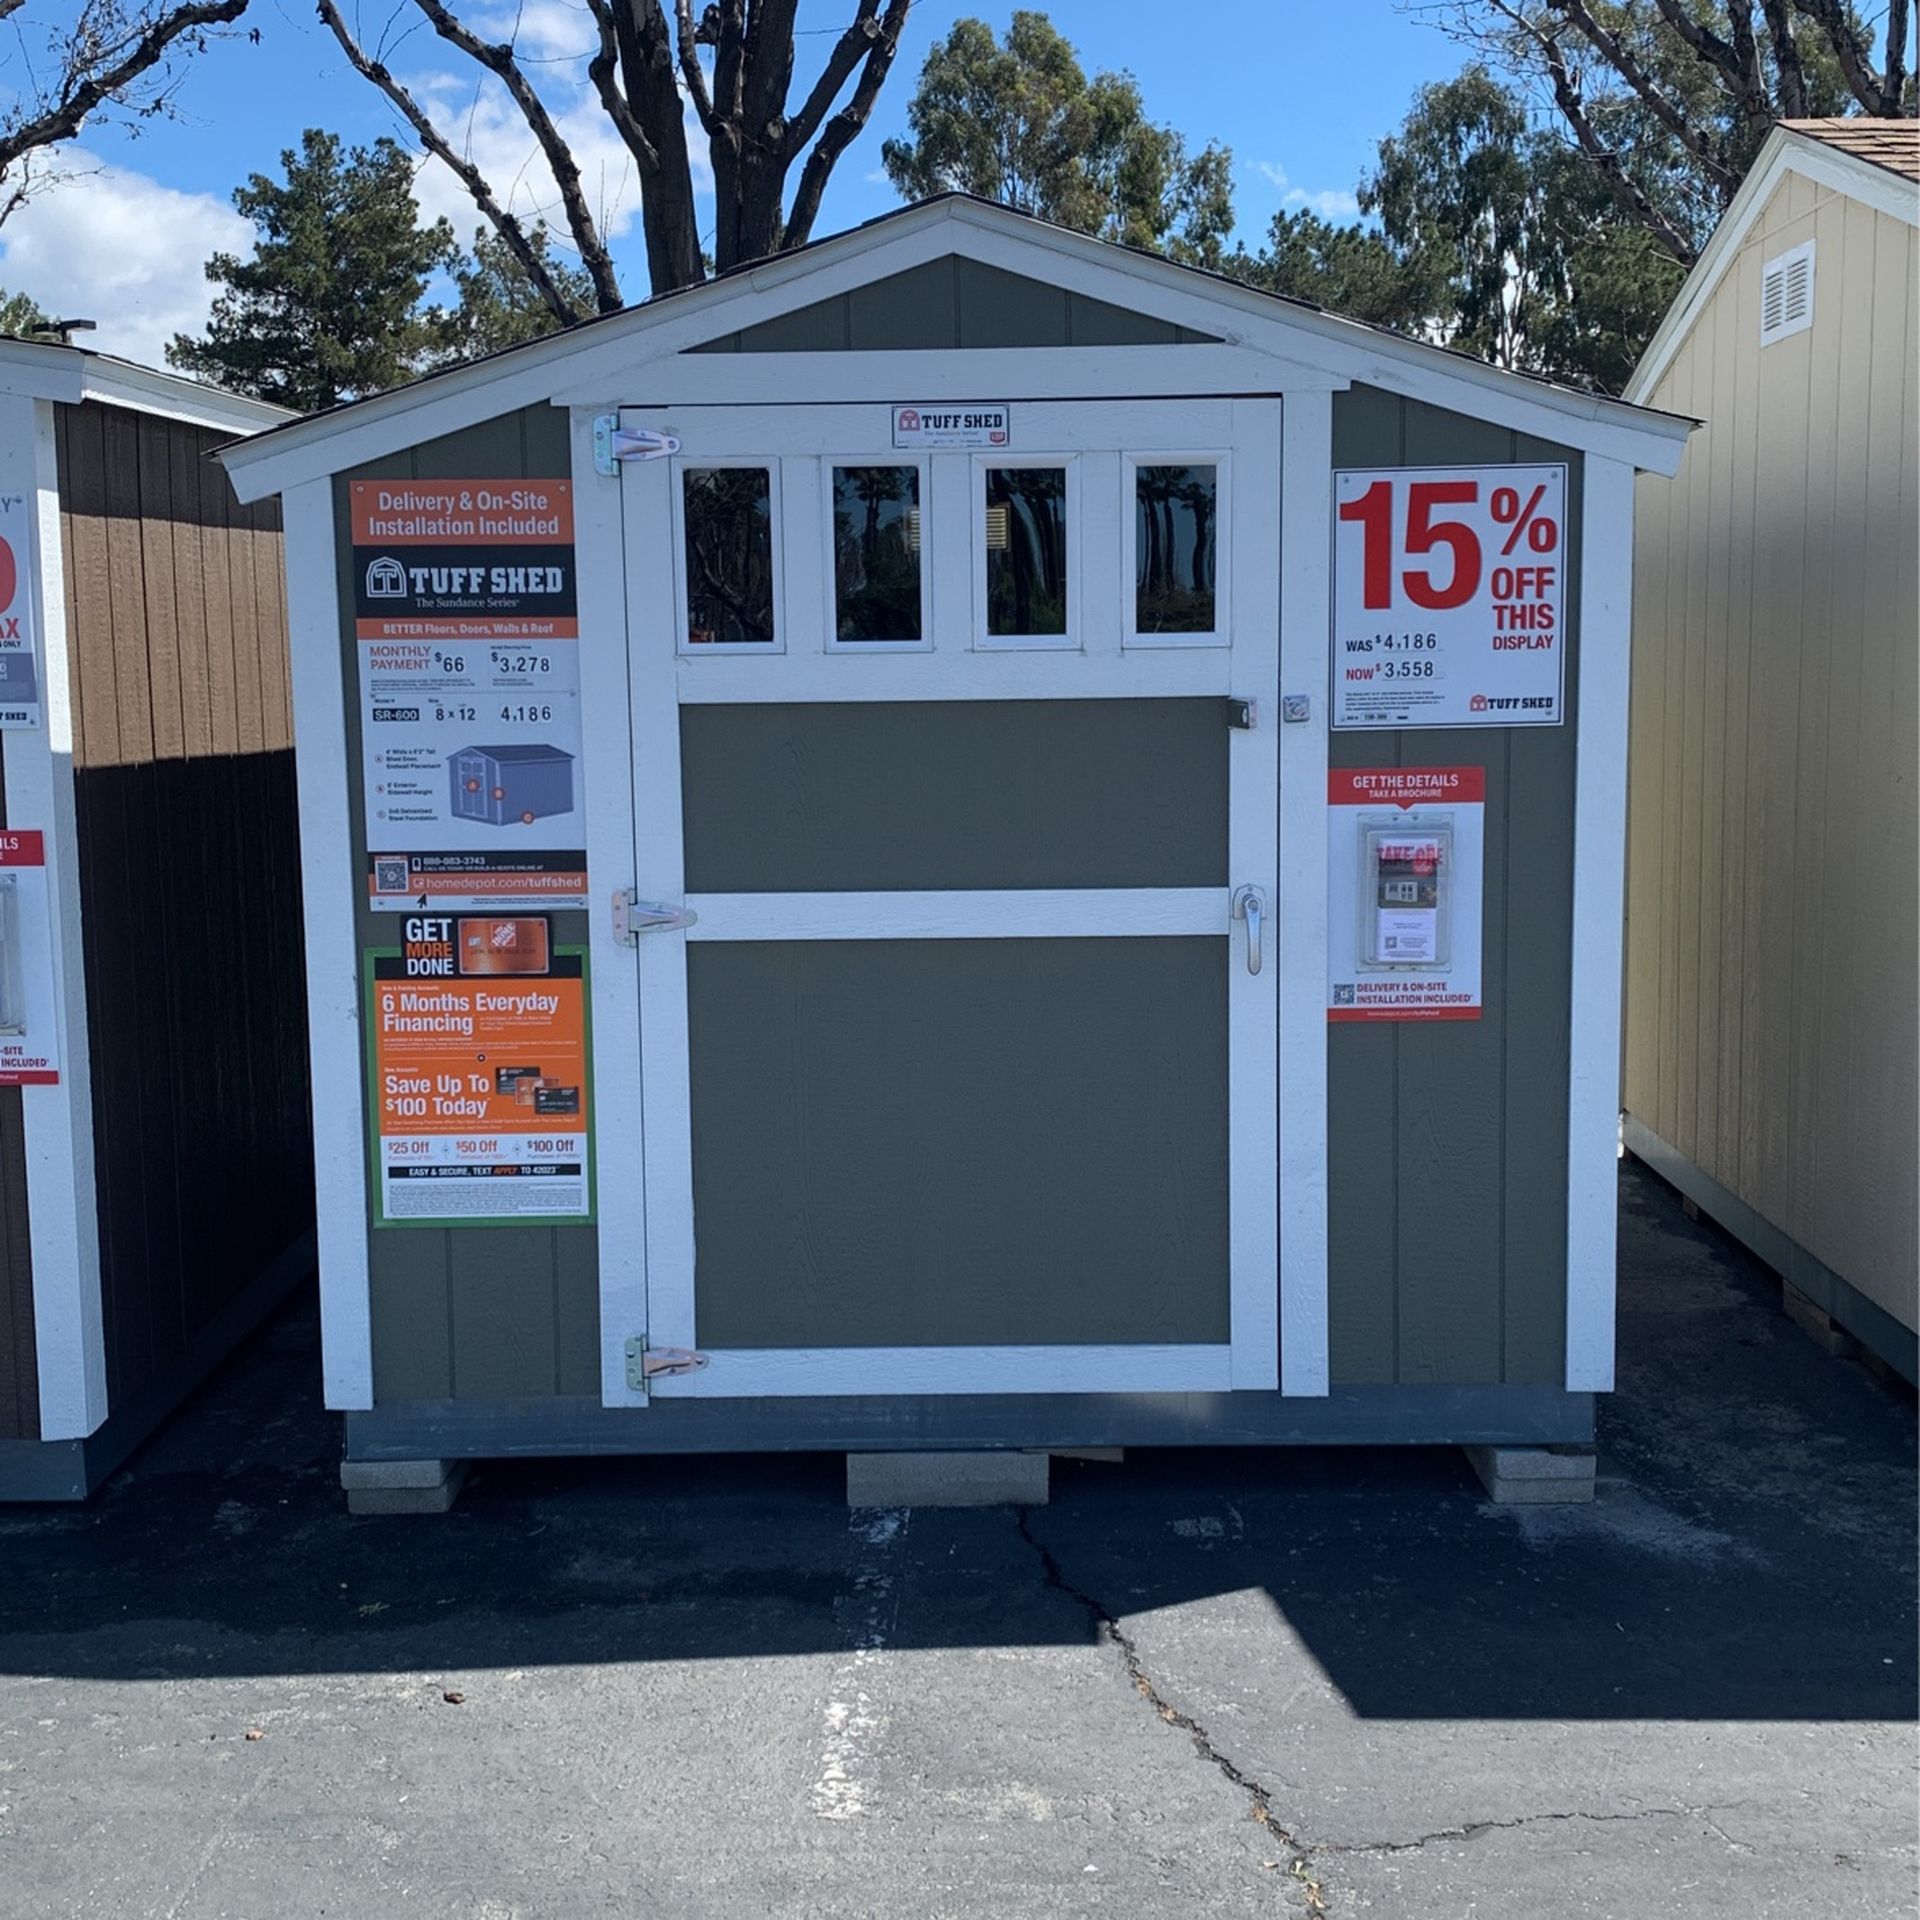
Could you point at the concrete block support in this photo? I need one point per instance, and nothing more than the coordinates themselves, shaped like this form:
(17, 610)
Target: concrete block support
(401, 1486)
(1534, 1476)
(1006, 1479)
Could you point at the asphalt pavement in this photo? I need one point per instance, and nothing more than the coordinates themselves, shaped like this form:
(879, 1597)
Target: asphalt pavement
(1198, 1683)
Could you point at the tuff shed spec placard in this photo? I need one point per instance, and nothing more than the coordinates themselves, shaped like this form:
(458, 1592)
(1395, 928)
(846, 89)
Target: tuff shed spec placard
(19, 663)
(465, 608)
(477, 1044)
(1449, 597)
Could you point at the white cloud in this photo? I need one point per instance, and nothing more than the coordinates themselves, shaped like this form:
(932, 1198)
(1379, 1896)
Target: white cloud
(104, 243)
(1333, 203)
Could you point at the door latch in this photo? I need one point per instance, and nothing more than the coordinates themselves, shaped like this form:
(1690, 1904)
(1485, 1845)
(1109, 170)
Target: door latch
(1250, 905)
(632, 918)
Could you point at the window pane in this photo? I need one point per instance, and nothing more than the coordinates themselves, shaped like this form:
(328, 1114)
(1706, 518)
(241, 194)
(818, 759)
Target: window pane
(1174, 523)
(1026, 550)
(729, 555)
(876, 553)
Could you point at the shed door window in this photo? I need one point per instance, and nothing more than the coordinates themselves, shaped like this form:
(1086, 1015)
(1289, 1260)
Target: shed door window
(1176, 534)
(727, 551)
(877, 573)
(1026, 555)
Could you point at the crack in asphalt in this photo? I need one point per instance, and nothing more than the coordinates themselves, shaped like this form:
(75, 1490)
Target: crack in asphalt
(1298, 1856)
(1475, 1828)
(1302, 1854)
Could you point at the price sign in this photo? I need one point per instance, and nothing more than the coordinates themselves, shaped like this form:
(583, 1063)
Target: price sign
(1449, 597)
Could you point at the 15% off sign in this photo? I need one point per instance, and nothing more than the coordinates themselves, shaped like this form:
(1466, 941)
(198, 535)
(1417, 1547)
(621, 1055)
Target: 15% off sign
(1449, 597)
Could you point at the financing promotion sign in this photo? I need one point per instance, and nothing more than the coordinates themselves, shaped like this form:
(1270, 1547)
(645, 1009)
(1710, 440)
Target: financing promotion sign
(19, 664)
(477, 1049)
(1404, 892)
(29, 1036)
(1449, 597)
(464, 603)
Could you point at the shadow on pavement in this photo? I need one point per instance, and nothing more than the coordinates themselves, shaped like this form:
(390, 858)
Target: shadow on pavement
(1750, 1554)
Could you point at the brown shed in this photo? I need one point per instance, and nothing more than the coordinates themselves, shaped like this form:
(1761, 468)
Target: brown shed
(155, 1180)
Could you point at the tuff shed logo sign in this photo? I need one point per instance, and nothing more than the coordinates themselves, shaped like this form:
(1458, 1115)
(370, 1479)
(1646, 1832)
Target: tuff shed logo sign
(974, 423)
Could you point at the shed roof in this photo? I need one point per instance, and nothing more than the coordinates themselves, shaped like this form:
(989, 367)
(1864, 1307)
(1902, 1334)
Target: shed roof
(50, 370)
(1832, 153)
(1893, 144)
(617, 357)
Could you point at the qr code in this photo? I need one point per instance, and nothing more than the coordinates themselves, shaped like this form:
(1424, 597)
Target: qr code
(1343, 993)
(390, 876)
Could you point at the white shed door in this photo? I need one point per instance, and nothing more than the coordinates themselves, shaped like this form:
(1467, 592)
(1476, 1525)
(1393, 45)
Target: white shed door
(960, 759)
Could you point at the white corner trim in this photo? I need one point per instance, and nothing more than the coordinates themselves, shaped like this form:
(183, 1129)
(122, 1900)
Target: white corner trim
(334, 998)
(63, 1219)
(1306, 626)
(1599, 903)
(1783, 153)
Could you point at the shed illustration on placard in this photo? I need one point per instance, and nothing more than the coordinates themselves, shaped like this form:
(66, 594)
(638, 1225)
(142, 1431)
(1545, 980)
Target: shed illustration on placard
(507, 785)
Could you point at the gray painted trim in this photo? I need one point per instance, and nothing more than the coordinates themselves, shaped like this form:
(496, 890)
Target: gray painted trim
(72, 1469)
(1872, 1325)
(1349, 1416)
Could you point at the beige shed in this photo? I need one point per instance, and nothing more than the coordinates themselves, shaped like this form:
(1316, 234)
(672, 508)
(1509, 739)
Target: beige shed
(1772, 977)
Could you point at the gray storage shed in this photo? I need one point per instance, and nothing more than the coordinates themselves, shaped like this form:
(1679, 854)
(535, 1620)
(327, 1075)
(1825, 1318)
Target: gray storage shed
(1089, 905)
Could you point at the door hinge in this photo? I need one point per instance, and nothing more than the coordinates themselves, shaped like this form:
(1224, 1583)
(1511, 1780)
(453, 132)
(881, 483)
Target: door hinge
(613, 443)
(646, 1364)
(632, 918)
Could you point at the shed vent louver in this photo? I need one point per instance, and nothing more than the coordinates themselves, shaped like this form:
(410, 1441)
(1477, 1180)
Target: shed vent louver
(1786, 294)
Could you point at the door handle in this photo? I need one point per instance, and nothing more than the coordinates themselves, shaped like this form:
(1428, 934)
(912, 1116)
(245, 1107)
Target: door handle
(1250, 905)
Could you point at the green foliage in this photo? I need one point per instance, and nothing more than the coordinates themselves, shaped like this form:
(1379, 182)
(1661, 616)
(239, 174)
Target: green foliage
(499, 306)
(1350, 270)
(1021, 123)
(22, 318)
(328, 308)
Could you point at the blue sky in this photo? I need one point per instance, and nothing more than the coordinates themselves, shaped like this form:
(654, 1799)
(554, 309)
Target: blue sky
(1301, 92)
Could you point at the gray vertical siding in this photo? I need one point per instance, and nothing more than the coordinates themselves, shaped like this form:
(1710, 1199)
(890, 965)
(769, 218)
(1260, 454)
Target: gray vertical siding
(485, 1313)
(1447, 1141)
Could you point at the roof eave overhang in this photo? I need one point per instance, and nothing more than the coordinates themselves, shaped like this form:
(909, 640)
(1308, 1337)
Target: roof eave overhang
(608, 361)
(44, 370)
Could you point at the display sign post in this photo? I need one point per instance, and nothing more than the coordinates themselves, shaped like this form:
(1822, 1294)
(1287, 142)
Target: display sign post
(1449, 597)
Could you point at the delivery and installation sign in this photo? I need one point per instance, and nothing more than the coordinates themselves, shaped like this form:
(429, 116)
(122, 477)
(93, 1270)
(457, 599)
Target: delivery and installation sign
(1449, 597)
(467, 617)
(478, 1063)
(29, 1028)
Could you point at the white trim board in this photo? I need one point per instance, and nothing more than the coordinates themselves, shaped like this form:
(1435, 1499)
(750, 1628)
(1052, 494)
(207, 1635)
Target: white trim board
(735, 1373)
(334, 1034)
(1038, 913)
(63, 1219)
(48, 371)
(1599, 905)
(607, 361)
(1784, 152)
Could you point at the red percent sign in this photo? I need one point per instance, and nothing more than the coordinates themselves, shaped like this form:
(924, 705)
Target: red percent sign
(1373, 511)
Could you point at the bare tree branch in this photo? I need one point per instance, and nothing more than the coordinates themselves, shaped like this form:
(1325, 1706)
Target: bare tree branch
(499, 60)
(845, 125)
(96, 75)
(849, 50)
(652, 91)
(600, 70)
(1627, 192)
(1790, 77)
(1615, 51)
(1880, 97)
(691, 71)
(504, 224)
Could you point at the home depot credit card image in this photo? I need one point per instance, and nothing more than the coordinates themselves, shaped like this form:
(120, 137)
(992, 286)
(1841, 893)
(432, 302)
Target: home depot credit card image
(479, 1089)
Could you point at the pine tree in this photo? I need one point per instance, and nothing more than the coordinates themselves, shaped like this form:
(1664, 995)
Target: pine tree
(328, 308)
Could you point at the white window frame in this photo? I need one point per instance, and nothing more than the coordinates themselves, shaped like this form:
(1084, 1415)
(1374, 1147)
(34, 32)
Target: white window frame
(830, 628)
(1222, 631)
(770, 465)
(983, 641)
